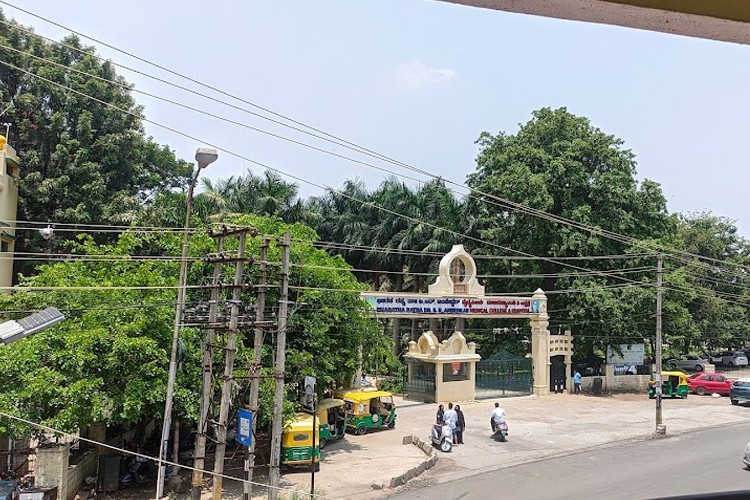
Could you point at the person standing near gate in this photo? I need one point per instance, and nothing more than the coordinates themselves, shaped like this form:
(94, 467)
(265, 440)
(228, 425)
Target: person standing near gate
(451, 419)
(460, 425)
(576, 382)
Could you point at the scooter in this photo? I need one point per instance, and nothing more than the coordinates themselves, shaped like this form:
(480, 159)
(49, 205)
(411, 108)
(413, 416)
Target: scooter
(500, 431)
(442, 437)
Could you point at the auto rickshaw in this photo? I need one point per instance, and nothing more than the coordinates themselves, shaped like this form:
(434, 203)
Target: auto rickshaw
(297, 442)
(331, 419)
(673, 384)
(369, 410)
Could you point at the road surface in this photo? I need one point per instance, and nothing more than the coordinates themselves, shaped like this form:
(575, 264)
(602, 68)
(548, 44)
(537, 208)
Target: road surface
(691, 463)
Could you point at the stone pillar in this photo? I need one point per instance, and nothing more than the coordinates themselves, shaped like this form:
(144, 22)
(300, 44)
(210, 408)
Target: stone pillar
(609, 376)
(97, 432)
(52, 467)
(540, 346)
(569, 373)
(438, 381)
(473, 378)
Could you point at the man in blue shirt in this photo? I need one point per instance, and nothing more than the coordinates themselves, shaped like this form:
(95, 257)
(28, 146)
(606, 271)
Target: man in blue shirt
(576, 382)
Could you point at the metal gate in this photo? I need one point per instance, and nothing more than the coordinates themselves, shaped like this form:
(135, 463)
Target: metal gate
(503, 375)
(422, 384)
(557, 376)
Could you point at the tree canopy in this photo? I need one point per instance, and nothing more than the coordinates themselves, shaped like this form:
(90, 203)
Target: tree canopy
(109, 359)
(83, 161)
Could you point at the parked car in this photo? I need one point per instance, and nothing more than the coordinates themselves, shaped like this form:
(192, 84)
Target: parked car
(709, 383)
(734, 358)
(740, 391)
(688, 363)
(713, 358)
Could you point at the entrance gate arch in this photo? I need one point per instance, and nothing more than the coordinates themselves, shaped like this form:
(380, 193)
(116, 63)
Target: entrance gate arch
(457, 293)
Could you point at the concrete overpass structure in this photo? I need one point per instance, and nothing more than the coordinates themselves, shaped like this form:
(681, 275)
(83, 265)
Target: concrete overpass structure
(723, 20)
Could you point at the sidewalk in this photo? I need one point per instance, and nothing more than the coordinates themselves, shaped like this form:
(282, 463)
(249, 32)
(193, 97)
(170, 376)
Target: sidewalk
(540, 427)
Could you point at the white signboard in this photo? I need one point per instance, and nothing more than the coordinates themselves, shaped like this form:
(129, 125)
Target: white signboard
(631, 355)
(395, 305)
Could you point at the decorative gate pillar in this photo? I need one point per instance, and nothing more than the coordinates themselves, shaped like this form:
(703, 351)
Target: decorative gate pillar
(540, 344)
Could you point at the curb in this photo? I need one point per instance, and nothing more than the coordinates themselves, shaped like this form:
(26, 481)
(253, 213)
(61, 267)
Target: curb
(426, 464)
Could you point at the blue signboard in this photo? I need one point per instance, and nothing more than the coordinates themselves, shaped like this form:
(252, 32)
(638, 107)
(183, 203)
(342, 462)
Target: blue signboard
(244, 427)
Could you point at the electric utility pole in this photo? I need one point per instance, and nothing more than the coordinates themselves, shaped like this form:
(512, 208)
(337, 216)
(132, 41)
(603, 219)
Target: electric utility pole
(230, 350)
(255, 370)
(660, 429)
(199, 462)
(278, 400)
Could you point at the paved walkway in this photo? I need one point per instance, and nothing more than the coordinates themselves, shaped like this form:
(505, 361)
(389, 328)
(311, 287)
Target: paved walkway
(540, 427)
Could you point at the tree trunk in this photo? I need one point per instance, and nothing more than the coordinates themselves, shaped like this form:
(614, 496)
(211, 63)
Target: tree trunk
(415, 320)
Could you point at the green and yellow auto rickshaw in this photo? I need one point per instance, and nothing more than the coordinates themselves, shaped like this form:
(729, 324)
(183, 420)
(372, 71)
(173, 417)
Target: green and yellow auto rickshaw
(331, 420)
(297, 442)
(369, 410)
(673, 384)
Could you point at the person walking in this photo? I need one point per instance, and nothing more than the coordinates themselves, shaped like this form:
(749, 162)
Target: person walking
(460, 425)
(451, 419)
(577, 382)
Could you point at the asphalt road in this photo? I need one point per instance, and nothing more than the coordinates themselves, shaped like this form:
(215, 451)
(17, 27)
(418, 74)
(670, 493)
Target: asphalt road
(692, 463)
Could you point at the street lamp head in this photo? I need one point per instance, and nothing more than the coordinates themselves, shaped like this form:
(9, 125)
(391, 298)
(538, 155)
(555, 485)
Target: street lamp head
(205, 156)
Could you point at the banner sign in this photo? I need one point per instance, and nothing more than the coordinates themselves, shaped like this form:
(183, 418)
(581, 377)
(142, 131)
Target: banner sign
(631, 355)
(450, 306)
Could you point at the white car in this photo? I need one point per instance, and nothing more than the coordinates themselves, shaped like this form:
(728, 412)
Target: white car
(693, 363)
(732, 359)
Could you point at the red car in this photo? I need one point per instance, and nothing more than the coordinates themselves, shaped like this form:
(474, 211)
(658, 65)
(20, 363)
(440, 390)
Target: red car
(709, 383)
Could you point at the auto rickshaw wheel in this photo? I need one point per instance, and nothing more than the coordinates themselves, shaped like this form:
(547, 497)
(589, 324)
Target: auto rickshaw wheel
(323, 443)
(700, 391)
(391, 424)
(361, 430)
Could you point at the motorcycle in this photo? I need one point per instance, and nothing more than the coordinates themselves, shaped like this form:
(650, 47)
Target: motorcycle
(442, 437)
(500, 431)
(137, 473)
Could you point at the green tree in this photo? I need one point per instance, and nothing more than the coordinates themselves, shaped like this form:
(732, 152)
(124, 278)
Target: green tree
(108, 359)
(82, 161)
(561, 164)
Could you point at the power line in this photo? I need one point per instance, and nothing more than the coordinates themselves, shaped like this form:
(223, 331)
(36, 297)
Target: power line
(363, 150)
(551, 260)
(292, 176)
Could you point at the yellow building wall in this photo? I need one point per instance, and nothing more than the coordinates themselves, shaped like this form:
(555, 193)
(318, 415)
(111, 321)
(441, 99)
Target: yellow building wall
(457, 390)
(9, 172)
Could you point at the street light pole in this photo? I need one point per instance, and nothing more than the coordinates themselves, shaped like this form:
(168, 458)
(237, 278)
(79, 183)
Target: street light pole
(203, 157)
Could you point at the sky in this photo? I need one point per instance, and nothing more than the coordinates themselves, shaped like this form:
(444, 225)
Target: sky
(419, 80)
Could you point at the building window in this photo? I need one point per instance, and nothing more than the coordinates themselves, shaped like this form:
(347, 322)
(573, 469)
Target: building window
(4, 246)
(453, 372)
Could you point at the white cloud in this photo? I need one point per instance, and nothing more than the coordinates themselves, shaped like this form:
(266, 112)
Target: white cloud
(416, 75)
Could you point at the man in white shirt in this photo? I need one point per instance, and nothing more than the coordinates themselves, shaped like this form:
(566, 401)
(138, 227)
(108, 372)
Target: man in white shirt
(497, 416)
(450, 417)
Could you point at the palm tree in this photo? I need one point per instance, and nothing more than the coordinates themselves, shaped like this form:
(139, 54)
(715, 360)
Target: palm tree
(268, 194)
